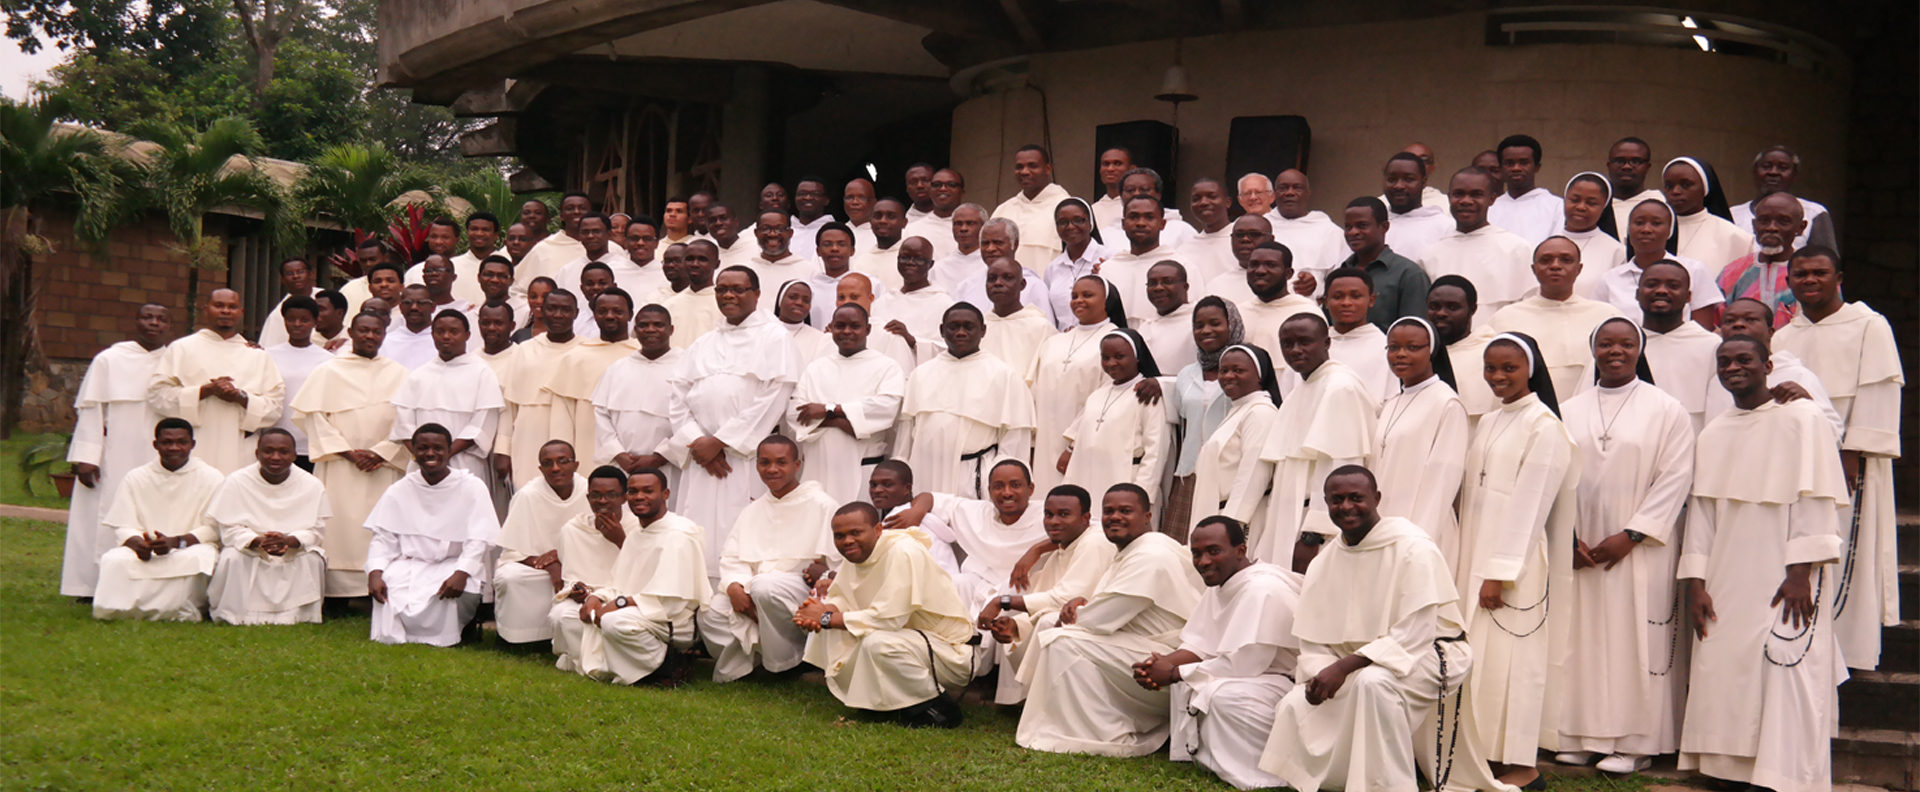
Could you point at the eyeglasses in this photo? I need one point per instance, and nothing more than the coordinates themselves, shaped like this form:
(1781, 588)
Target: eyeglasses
(916, 260)
(947, 184)
(549, 464)
(1629, 161)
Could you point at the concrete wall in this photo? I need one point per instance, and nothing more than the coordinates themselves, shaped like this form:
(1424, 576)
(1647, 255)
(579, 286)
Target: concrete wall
(1369, 90)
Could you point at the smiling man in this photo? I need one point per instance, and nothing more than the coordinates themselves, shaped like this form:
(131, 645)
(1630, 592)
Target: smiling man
(584, 548)
(527, 574)
(1326, 422)
(224, 386)
(1090, 703)
(1561, 321)
(432, 532)
(844, 408)
(110, 438)
(166, 548)
(643, 619)
(1494, 259)
(1032, 207)
(1316, 241)
(271, 516)
(1065, 565)
(1235, 660)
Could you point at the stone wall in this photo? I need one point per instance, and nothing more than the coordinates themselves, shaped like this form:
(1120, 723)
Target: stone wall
(48, 406)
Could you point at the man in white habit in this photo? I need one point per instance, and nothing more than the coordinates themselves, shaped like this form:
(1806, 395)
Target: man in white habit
(1760, 560)
(1351, 339)
(1325, 423)
(891, 633)
(577, 375)
(963, 410)
(432, 533)
(1068, 563)
(723, 227)
(553, 251)
(1014, 330)
(584, 549)
(408, 342)
(1383, 655)
(1523, 209)
(456, 390)
(963, 258)
(777, 262)
(1790, 378)
(999, 239)
(1127, 268)
(348, 411)
(219, 382)
(1169, 331)
(528, 420)
(728, 392)
(1628, 162)
(630, 410)
(772, 558)
(809, 214)
(1267, 303)
(844, 408)
(1032, 207)
(1145, 181)
(1679, 351)
(993, 534)
(695, 311)
(1559, 320)
(110, 439)
(1493, 258)
(1235, 660)
(1089, 702)
(645, 613)
(296, 279)
(1414, 222)
(947, 191)
(271, 516)
(595, 237)
(296, 357)
(911, 312)
(1114, 164)
(527, 572)
(1318, 243)
(1852, 348)
(165, 549)
(878, 259)
(1209, 252)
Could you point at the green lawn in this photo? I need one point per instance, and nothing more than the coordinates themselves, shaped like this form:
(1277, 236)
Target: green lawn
(92, 705)
(13, 484)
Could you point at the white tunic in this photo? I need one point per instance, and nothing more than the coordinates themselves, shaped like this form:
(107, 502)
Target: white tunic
(774, 540)
(1222, 707)
(1682, 362)
(1786, 368)
(1410, 234)
(171, 587)
(545, 260)
(921, 312)
(774, 273)
(1327, 422)
(347, 405)
(1563, 329)
(1039, 239)
(960, 415)
(1622, 674)
(694, 312)
(463, 395)
(1711, 240)
(1230, 478)
(631, 410)
(1499, 264)
(1469, 365)
(1363, 349)
(1127, 271)
(1170, 336)
(523, 595)
(1263, 319)
(882, 265)
(1064, 372)
(295, 365)
(1620, 285)
(422, 534)
(113, 430)
(1532, 217)
(868, 386)
(992, 547)
(1317, 242)
(524, 428)
(223, 431)
(1423, 452)
(1015, 339)
(1174, 234)
(403, 346)
(1116, 439)
(249, 586)
(806, 235)
(1207, 256)
(938, 231)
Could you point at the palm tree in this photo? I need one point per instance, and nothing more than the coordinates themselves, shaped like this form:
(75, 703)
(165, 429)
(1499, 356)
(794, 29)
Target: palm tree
(187, 175)
(40, 163)
(356, 186)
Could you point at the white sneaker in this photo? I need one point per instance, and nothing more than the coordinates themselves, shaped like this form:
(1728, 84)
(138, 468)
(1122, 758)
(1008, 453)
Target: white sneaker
(1624, 763)
(1581, 758)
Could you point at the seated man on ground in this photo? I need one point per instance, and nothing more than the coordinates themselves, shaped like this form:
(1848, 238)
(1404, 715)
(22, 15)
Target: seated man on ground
(775, 554)
(1070, 563)
(994, 534)
(271, 516)
(1235, 660)
(890, 490)
(585, 549)
(167, 550)
(1090, 703)
(892, 634)
(528, 572)
(644, 616)
(432, 533)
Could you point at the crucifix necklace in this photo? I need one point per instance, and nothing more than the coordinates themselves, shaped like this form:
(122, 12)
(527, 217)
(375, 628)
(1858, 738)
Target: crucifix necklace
(1606, 424)
(1494, 437)
(1119, 391)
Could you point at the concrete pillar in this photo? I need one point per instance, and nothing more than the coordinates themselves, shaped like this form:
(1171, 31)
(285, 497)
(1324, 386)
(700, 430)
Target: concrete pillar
(743, 140)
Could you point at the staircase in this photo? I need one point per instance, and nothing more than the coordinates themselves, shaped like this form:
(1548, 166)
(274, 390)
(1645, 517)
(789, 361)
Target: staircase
(1879, 738)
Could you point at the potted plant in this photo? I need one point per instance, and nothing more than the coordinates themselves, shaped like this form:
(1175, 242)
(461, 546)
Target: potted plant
(44, 465)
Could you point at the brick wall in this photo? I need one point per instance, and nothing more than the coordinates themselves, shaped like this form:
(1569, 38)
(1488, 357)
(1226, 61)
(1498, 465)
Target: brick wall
(87, 302)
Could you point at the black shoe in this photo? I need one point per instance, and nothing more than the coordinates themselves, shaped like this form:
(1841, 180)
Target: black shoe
(938, 712)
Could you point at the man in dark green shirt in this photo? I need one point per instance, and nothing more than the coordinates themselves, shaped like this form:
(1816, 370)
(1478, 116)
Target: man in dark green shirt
(1400, 284)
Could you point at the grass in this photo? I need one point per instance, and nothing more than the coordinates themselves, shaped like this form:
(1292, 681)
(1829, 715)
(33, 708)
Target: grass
(13, 483)
(123, 705)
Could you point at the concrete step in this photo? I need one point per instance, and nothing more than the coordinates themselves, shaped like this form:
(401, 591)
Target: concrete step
(1910, 591)
(1881, 757)
(1881, 700)
(1907, 537)
(1900, 648)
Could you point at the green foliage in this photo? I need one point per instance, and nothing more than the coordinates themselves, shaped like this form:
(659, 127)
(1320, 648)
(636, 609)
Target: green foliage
(173, 36)
(37, 158)
(43, 456)
(188, 174)
(14, 490)
(356, 185)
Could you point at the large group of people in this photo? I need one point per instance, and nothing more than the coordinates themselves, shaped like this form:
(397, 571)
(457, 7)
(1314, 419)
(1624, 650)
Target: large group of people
(1459, 477)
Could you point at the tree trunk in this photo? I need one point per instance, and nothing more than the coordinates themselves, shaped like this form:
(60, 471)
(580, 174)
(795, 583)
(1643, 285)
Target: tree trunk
(18, 336)
(193, 297)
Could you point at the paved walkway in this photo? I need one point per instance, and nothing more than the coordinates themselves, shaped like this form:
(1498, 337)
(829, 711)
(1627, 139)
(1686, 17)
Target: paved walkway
(33, 513)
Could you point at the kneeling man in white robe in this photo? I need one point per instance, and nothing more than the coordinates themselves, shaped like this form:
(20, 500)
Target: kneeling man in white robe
(271, 517)
(645, 613)
(1235, 660)
(777, 551)
(892, 635)
(528, 572)
(1090, 702)
(1382, 658)
(584, 550)
(167, 550)
(432, 533)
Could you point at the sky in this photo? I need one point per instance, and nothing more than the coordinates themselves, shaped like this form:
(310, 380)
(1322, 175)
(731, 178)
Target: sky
(18, 69)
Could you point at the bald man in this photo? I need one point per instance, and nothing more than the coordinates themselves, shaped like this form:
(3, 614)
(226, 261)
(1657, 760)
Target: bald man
(1777, 220)
(857, 289)
(221, 383)
(1317, 242)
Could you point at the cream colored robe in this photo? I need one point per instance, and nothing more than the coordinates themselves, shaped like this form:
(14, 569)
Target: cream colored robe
(1533, 216)
(1090, 703)
(1422, 455)
(694, 315)
(1230, 478)
(171, 587)
(1117, 439)
(869, 387)
(772, 543)
(1317, 242)
(1223, 706)
(347, 405)
(1499, 264)
(1623, 674)
(522, 595)
(113, 430)
(1062, 575)
(1682, 363)
(530, 404)
(960, 415)
(1516, 517)
(631, 405)
(1364, 350)
(1015, 339)
(1327, 422)
(1564, 330)
(1711, 239)
(570, 391)
(1064, 372)
(250, 586)
(921, 312)
(222, 430)
(906, 631)
(662, 571)
(1039, 239)
(545, 260)
(1263, 319)
(1469, 357)
(463, 395)
(586, 558)
(1761, 707)
(1854, 353)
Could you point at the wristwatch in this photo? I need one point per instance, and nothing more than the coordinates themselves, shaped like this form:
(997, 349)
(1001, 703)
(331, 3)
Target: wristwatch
(826, 619)
(1006, 602)
(621, 602)
(1635, 536)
